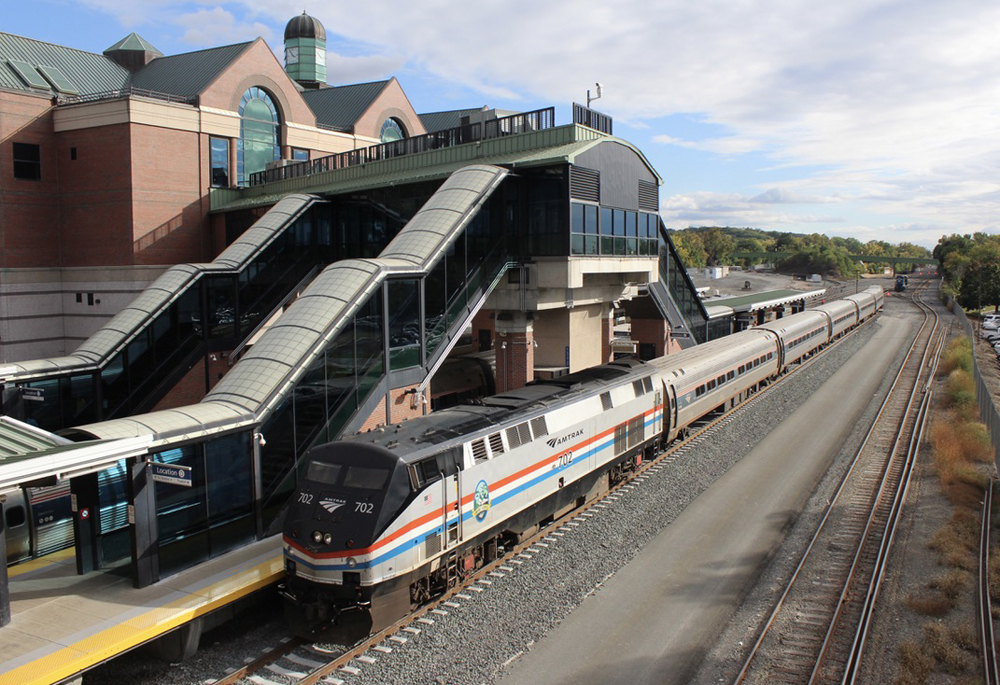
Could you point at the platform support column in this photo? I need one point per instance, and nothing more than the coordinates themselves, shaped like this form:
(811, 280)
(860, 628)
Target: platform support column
(607, 334)
(86, 522)
(515, 350)
(142, 521)
(4, 582)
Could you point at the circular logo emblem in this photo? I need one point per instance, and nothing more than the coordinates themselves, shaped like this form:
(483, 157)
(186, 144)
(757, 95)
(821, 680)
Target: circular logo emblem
(481, 500)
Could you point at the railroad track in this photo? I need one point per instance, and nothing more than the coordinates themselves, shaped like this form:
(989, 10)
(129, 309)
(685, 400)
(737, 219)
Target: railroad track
(991, 676)
(817, 630)
(306, 663)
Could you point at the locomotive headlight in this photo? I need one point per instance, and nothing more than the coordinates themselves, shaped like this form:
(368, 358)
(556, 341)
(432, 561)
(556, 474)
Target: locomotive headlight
(352, 562)
(317, 537)
(328, 538)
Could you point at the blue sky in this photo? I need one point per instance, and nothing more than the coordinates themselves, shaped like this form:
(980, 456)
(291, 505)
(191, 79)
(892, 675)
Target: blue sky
(864, 118)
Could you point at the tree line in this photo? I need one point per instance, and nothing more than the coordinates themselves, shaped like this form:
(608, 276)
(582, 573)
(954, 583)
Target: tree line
(971, 266)
(813, 253)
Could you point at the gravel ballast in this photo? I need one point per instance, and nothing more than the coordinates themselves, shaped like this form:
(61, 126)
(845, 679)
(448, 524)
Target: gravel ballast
(475, 640)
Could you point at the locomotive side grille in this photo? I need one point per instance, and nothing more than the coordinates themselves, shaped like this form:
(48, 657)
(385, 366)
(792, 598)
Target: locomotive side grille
(496, 443)
(523, 432)
(636, 431)
(479, 450)
(639, 390)
(513, 439)
(539, 427)
(647, 383)
(432, 545)
(621, 438)
(606, 403)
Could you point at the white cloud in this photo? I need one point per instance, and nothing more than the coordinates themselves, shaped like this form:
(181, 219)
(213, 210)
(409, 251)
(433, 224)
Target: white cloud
(217, 26)
(896, 102)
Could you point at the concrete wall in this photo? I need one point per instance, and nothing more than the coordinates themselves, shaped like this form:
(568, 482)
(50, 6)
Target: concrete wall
(40, 315)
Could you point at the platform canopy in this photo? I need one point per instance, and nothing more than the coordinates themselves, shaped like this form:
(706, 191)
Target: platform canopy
(32, 456)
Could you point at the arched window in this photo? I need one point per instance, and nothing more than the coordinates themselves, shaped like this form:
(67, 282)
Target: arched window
(392, 130)
(258, 144)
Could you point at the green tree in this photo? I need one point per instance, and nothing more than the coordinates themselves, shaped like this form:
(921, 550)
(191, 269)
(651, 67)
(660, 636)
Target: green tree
(719, 246)
(689, 248)
(980, 283)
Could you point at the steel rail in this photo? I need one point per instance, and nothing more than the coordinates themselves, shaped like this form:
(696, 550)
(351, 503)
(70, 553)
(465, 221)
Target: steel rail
(881, 521)
(834, 501)
(666, 456)
(991, 676)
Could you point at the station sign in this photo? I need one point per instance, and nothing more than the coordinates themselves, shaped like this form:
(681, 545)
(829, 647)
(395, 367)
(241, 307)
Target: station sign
(170, 473)
(33, 394)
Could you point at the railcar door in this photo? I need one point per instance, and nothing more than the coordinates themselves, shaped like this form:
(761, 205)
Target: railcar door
(15, 514)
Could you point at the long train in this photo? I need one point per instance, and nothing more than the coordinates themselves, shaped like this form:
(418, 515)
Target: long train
(384, 520)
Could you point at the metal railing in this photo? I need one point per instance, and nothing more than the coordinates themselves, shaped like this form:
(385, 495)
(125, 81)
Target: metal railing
(524, 122)
(130, 91)
(591, 118)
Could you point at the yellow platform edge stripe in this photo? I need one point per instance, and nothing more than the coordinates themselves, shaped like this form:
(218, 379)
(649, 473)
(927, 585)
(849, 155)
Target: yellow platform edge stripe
(111, 642)
(41, 562)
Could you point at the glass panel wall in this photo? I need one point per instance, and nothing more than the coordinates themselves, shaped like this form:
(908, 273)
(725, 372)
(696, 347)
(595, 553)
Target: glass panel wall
(404, 323)
(596, 230)
(214, 514)
(584, 229)
(215, 312)
(337, 382)
(182, 512)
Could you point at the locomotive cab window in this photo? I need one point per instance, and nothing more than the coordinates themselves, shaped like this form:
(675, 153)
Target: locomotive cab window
(428, 471)
(323, 473)
(365, 478)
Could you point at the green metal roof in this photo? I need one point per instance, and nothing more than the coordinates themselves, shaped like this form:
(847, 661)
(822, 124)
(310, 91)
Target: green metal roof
(187, 74)
(87, 71)
(557, 145)
(341, 106)
(442, 121)
(134, 41)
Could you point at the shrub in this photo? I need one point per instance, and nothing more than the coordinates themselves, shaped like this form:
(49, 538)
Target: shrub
(957, 356)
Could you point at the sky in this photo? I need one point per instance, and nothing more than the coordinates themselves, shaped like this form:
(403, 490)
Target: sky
(871, 119)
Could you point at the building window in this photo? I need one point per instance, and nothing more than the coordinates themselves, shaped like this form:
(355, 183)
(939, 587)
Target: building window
(220, 162)
(27, 161)
(583, 226)
(392, 130)
(300, 155)
(258, 143)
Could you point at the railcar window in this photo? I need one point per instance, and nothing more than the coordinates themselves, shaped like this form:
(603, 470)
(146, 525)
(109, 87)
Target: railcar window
(15, 516)
(730, 375)
(720, 380)
(711, 384)
(366, 478)
(323, 473)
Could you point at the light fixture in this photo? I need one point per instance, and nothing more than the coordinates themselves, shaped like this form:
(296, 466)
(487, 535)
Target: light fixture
(596, 97)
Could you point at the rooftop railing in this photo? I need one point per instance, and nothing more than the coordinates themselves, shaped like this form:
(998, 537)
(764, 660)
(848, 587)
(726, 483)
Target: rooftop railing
(130, 91)
(493, 128)
(591, 118)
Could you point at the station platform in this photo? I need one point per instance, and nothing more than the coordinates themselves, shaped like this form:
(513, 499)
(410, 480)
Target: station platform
(63, 623)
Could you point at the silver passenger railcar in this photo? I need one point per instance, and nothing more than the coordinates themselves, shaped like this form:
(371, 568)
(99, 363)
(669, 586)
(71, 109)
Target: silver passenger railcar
(384, 520)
